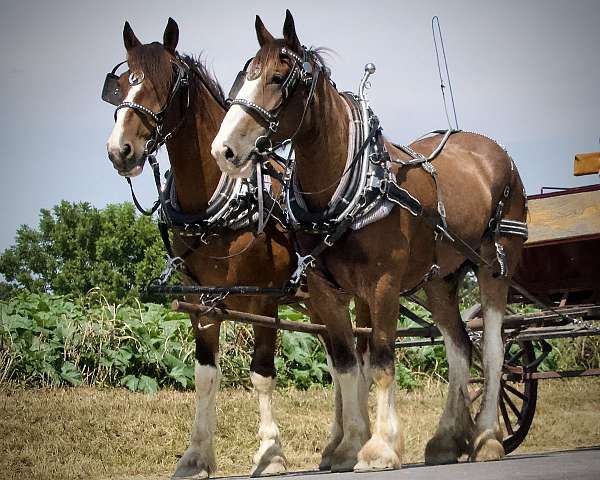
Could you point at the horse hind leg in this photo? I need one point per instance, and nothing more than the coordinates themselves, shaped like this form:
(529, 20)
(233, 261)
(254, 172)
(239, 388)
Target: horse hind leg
(455, 429)
(336, 432)
(269, 458)
(487, 443)
(198, 461)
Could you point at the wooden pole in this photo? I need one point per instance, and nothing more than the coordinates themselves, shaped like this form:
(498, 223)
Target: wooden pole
(270, 322)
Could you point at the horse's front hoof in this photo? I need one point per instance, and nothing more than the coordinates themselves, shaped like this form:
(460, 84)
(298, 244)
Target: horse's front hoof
(377, 454)
(190, 474)
(344, 458)
(440, 450)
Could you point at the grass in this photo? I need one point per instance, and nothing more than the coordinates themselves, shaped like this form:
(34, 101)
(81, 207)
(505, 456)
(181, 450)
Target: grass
(116, 434)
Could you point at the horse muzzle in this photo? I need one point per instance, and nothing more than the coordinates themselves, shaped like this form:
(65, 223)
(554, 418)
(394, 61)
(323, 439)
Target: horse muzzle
(125, 163)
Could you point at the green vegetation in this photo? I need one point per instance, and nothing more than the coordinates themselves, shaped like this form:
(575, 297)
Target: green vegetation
(77, 247)
(53, 340)
(71, 315)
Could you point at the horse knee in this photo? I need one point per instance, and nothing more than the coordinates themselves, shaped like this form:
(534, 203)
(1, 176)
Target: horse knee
(343, 356)
(382, 357)
(263, 363)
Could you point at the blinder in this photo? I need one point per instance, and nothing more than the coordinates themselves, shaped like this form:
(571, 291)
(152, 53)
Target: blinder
(111, 91)
(302, 69)
(238, 82)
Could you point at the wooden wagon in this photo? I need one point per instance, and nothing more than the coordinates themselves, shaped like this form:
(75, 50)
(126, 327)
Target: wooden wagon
(560, 265)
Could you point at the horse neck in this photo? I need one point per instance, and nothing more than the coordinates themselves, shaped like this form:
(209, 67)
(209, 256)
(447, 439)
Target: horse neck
(322, 147)
(195, 172)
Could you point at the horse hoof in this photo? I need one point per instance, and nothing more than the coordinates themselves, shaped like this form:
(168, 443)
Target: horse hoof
(377, 454)
(190, 474)
(441, 450)
(193, 466)
(487, 448)
(346, 465)
(344, 457)
(276, 466)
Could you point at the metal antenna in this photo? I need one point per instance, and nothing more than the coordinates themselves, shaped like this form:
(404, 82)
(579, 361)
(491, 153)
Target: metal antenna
(435, 22)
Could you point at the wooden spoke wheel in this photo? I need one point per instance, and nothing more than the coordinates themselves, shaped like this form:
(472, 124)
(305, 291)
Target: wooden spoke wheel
(518, 396)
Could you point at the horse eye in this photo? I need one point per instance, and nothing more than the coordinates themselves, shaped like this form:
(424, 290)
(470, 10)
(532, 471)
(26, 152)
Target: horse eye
(135, 78)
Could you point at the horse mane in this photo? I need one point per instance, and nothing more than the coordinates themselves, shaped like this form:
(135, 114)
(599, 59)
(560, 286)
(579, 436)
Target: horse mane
(150, 60)
(201, 76)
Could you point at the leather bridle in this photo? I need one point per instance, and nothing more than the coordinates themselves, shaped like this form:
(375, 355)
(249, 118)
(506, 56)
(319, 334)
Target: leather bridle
(112, 94)
(305, 70)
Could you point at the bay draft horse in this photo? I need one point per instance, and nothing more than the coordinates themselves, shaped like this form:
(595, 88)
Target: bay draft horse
(149, 83)
(379, 262)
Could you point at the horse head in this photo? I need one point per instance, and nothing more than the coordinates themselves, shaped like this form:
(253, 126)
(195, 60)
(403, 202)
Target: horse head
(142, 95)
(268, 100)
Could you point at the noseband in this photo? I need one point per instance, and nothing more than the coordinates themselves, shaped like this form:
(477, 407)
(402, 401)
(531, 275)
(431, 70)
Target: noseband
(305, 70)
(112, 94)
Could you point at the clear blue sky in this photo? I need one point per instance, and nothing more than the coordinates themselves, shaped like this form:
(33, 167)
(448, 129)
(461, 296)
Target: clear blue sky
(526, 73)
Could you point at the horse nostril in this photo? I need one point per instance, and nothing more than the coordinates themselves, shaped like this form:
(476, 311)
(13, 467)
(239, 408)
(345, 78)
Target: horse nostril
(228, 153)
(125, 150)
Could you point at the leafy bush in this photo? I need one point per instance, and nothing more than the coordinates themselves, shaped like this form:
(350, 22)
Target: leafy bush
(55, 340)
(77, 247)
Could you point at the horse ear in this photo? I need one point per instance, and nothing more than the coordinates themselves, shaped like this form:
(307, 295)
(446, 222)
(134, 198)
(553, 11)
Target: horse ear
(129, 37)
(171, 36)
(262, 33)
(289, 32)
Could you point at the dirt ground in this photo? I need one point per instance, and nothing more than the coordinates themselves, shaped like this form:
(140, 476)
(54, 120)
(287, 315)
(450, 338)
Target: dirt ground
(116, 434)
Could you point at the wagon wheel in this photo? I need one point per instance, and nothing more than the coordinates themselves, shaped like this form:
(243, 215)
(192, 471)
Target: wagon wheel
(517, 398)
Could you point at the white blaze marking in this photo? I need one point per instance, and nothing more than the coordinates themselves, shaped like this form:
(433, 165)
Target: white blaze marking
(116, 140)
(233, 117)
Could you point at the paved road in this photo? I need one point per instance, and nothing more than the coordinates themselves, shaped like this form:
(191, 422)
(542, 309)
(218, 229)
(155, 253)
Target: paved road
(583, 464)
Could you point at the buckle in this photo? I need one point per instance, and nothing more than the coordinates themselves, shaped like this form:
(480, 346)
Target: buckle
(303, 263)
(172, 264)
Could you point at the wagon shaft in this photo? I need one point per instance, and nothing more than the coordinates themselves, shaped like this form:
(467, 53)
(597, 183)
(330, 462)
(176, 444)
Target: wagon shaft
(221, 314)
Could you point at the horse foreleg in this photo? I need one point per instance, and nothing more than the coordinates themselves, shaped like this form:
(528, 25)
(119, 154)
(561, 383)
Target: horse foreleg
(269, 459)
(329, 306)
(336, 433)
(383, 451)
(455, 429)
(363, 319)
(198, 461)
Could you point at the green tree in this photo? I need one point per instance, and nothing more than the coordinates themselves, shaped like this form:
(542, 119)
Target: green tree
(77, 247)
